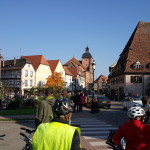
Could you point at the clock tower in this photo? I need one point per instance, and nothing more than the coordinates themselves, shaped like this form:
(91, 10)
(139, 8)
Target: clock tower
(87, 60)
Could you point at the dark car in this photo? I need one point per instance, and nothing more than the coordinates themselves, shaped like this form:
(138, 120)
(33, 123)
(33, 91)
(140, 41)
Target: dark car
(103, 101)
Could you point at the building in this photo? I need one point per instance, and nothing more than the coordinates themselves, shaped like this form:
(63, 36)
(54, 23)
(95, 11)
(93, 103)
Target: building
(41, 67)
(87, 61)
(82, 71)
(56, 66)
(130, 75)
(77, 74)
(17, 75)
(101, 84)
(68, 79)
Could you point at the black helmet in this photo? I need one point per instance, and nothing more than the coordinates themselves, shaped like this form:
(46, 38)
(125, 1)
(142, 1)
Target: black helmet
(62, 107)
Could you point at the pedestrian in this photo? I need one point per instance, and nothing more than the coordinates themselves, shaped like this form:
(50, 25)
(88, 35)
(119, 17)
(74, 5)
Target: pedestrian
(76, 101)
(94, 106)
(146, 107)
(135, 132)
(44, 109)
(58, 134)
(82, 101)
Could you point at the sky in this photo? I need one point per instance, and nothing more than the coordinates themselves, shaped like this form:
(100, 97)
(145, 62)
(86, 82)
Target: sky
(62, 29)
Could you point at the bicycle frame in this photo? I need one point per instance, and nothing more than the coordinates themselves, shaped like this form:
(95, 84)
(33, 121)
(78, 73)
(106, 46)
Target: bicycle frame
(27, 138)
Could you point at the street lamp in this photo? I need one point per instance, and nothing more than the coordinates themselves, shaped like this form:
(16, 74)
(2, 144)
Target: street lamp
(93, 67)
(94, 104)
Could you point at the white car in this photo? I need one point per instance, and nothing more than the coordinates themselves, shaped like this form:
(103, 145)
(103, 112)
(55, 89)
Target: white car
(132, 101)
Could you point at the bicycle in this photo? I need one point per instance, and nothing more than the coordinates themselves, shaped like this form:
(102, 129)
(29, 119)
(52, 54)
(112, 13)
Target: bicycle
(27, 138)
(110, 142)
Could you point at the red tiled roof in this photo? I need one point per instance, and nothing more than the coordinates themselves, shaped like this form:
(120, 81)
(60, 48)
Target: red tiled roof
(136, 49)
(101, 77)
(74, 61)
(53, 64)
(36, 60)
(73, 71)
(77, 67)
(67, 71)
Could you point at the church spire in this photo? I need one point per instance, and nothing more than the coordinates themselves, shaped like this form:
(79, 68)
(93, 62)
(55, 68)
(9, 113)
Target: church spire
(87, 50)
(87, 54)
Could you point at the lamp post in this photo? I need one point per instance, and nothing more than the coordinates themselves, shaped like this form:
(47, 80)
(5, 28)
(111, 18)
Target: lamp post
(94, 104)
(93, 67)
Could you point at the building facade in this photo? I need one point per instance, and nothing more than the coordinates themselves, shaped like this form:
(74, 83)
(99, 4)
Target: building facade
(17, 74)
(101, 84)
(130, 75)
(41, 67)
(82, 71)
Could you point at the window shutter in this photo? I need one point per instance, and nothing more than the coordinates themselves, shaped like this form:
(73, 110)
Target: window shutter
(140, 79)
(132, 79)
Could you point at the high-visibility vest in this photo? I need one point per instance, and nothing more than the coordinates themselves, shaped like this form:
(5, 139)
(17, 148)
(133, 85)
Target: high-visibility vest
(53, 136)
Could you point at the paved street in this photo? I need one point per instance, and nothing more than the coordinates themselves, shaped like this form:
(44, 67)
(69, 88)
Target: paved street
(94, 128)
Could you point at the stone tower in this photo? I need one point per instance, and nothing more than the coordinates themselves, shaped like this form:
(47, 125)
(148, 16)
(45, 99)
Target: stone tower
(87, 60)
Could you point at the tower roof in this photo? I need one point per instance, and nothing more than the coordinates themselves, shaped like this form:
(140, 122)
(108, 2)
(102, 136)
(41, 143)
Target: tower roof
(87, 54)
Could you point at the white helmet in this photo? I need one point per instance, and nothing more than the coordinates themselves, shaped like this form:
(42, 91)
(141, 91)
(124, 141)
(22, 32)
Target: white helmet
(134, 112)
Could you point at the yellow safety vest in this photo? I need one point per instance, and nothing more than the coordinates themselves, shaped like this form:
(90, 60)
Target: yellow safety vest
(53, 136)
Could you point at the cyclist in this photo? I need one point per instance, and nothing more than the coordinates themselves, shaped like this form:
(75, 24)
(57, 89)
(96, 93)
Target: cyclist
(44, 109)
(135, 132)
(58, 134)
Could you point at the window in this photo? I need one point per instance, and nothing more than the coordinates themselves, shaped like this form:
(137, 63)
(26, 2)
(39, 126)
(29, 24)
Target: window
(137, 66)
(26, 73)
(26, 82)
(61, 72)
(136, 79)
(31, 73)
(31, 82)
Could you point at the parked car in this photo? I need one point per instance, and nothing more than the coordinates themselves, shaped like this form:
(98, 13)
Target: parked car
(132, 101)
(103, 101)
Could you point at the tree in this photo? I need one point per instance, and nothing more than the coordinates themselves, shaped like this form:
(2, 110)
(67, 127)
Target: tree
(56, 82)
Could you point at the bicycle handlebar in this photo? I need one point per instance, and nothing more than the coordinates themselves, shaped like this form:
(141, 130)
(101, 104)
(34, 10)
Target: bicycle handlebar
(2, 135)
(23, 134)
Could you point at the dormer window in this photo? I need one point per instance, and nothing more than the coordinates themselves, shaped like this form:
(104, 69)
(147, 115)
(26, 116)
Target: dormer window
(137, 66)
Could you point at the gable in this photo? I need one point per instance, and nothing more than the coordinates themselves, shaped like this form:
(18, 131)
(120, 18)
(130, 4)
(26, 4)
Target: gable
(136, 49)
(53, 64)
(36, 60)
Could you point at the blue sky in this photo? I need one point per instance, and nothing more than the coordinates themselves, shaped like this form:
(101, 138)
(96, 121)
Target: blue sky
(61, 29)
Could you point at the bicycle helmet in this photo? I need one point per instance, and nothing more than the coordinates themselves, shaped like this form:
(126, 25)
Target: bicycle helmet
(62, 107)
(134, 112)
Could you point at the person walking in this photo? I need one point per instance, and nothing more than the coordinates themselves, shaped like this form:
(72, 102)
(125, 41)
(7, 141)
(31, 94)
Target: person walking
(82, 101)
(146, 107)
(76, 101)
(58, 134)
(135, 132)
(44, 109)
